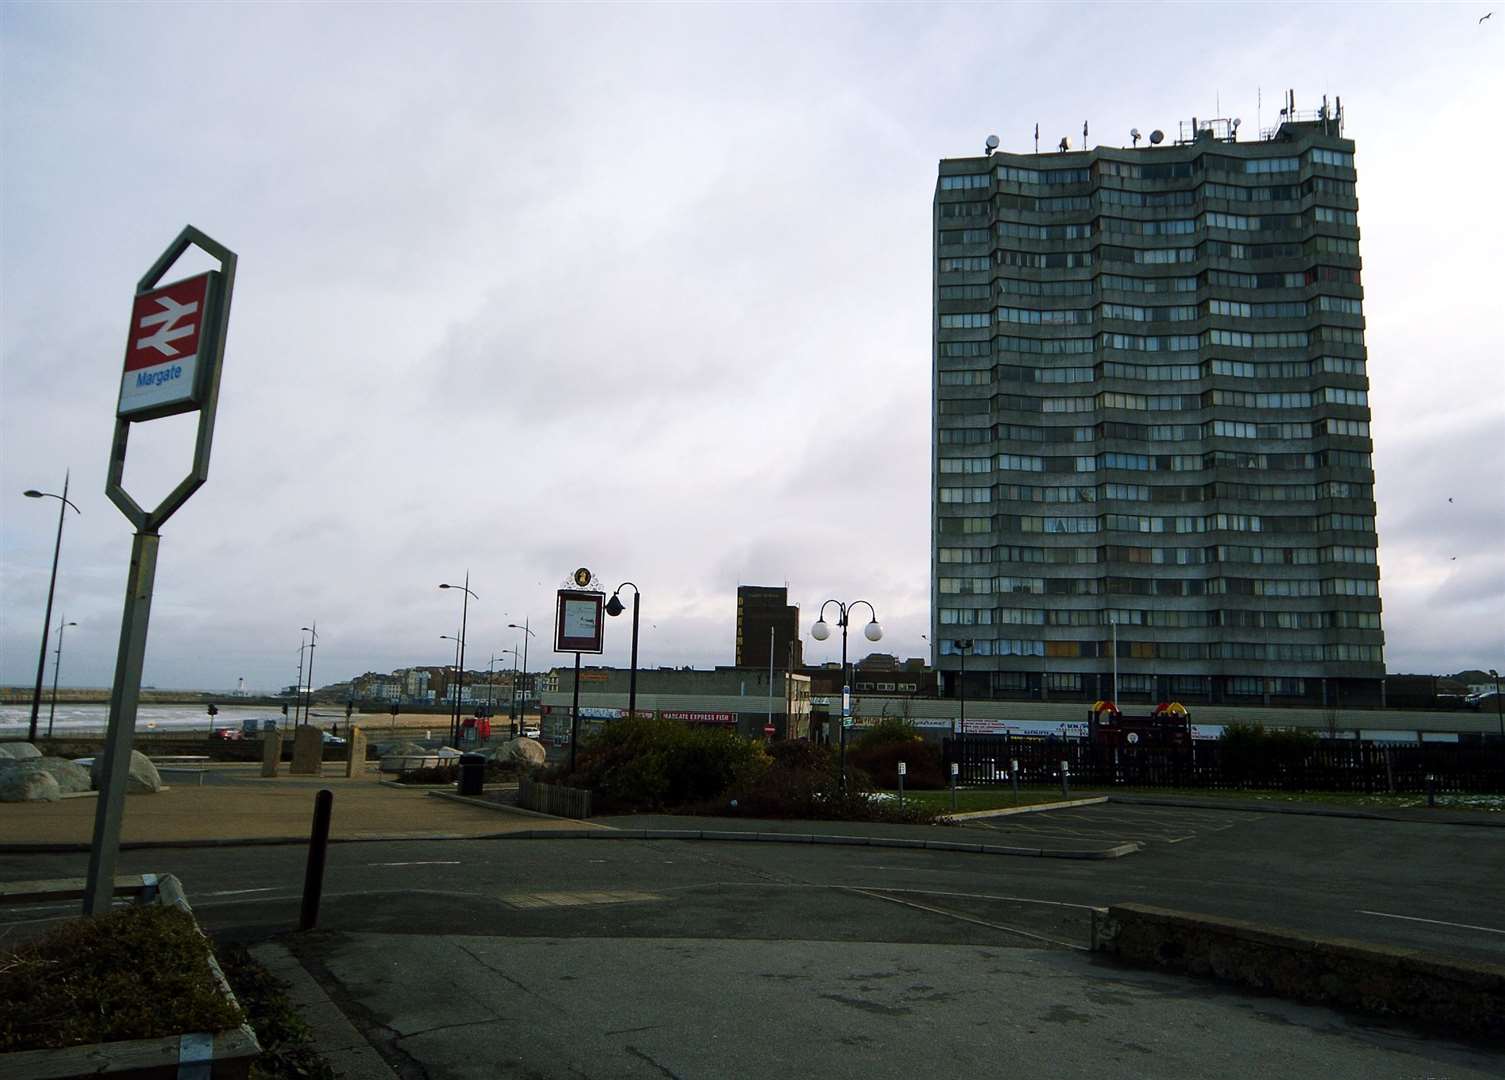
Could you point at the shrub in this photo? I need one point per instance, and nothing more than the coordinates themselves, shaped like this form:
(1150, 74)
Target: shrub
(804, 781)
(662, 764)
(890, 729)
(923, 766)
(1249, 754)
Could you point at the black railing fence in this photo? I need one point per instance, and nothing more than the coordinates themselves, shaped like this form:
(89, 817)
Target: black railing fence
(1401, 768)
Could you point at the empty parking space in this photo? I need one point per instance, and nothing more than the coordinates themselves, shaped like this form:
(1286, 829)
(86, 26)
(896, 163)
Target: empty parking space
(1114, 824)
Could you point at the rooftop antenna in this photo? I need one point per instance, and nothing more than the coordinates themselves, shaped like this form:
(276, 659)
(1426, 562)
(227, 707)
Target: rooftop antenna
(1259, 110)
(991, 144)
(1037, 136)
(1134, 134)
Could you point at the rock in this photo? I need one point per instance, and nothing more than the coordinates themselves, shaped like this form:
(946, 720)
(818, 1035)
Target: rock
(71, 777)
(27, 783)
(527, 751)
(143, 776)
(18, 751)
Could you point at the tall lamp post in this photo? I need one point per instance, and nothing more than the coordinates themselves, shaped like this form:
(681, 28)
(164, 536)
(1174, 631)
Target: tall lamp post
(464, 614)
(313, 643)
(522, 704)
(1499, 714)
(57, 547)
(57, 663)
(961, 645)
(614, 608)
(455, 667)
(820, 631)
(491, 672)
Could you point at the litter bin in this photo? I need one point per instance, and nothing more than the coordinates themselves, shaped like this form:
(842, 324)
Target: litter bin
(472, 773)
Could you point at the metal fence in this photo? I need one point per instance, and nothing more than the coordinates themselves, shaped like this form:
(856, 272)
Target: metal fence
(1369, 768)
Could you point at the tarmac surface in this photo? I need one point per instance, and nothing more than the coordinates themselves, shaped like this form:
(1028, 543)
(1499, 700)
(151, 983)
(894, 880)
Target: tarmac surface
(496, 957)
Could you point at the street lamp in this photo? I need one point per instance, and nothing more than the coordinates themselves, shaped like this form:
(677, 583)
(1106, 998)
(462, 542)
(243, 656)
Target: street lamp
(313, 632)
(1499, 715)
(56, 664)
(57, 546)
(961, 645)
(464, 614)
(614, 608)
(820, 631)
(490, 672)
(522, 696)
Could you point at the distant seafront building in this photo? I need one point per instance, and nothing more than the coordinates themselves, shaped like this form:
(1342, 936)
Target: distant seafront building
(1151, 422)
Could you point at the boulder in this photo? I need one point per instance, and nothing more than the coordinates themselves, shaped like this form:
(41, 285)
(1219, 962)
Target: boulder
(27, 783)
(18, 751)
(527, 751)
(142, 779)
(71, 777)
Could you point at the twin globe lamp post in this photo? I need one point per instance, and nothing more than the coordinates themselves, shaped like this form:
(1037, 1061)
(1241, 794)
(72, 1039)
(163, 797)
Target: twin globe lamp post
(820, 632)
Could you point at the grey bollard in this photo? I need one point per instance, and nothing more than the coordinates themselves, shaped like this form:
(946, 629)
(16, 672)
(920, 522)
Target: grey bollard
(901, 785)
(1065, 780)
(955, 768)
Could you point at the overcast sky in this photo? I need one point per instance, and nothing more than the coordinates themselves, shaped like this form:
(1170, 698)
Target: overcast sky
(644, 289)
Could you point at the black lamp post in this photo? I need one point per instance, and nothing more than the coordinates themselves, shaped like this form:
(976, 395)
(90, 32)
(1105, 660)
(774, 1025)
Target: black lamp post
(456, 668)
(464, 614)
(522, 705)
(962, 645)
(820, 631)
(1499, 714)
(57, 547)
(56, 664)
(313, 643)
(614, 608)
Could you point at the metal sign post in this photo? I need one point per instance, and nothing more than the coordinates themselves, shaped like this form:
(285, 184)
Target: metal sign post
(578, 628)
(174, 352)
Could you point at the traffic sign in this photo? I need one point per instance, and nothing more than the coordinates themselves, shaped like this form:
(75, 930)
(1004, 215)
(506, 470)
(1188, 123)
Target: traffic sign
(847, 722)
(166, 366)
(768, 729)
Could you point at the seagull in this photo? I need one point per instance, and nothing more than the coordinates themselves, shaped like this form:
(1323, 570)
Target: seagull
(1450, 498)
(1483, 17)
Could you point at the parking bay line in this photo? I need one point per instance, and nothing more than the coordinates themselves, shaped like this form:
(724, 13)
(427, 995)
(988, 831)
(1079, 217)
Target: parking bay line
(1435, 922)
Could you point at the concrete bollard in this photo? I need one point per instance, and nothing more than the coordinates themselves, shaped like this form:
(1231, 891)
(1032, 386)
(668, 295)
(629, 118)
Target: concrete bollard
(355, 751)
(308, 751)
(271, 753)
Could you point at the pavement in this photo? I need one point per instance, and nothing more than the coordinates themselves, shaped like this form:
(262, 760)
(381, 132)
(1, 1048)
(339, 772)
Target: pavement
(481, 956)
(237, 805)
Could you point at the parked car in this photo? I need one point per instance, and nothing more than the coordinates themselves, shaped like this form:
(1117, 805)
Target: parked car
(532, 733)
(332, 740)
(226, 734)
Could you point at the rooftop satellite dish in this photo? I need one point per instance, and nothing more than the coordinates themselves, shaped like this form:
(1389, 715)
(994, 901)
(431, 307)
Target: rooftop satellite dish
(1157, 137)
(992, 143)
(1134, 134)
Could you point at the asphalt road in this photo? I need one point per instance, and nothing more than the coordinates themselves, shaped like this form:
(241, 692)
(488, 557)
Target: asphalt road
(630, 958)
(1434, 887)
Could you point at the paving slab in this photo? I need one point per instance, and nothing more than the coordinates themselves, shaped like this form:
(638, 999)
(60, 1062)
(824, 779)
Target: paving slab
(263, 810)
(691, 1008)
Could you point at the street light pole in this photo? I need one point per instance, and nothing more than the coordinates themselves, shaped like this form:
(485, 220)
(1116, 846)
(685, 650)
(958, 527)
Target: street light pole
(57, 547)
(1499, 714)
(522, 705)
(298, 686)
(820, 631)
(962, 645)
(56, 665)
(460, 685)
(312, 644)
(614, 608)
